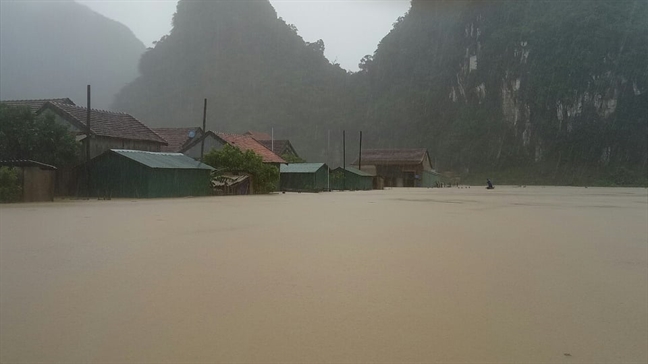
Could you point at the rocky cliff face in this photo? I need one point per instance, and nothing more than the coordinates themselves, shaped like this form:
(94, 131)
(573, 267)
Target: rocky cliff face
(554, 85)
(255, 70)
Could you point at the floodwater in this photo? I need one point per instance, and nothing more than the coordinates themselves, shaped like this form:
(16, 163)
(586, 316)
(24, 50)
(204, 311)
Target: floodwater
(543, 275)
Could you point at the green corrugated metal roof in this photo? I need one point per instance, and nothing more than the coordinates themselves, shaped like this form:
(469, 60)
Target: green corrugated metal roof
(162, 160)
(358, 172)
(301, 167)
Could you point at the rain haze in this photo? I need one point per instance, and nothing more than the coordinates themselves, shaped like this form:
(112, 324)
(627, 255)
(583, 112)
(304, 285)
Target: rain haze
(350, 29)
(443, 181)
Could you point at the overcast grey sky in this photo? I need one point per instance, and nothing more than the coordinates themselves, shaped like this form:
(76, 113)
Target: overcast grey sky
(350, 29)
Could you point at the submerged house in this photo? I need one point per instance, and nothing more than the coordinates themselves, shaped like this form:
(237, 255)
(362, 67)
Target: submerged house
(189, 141)
(246, 142)
(351, 179)
(280, 147)
(304, 177)
(35, 105)
(108, 130)
(141, 174)
(399, 167)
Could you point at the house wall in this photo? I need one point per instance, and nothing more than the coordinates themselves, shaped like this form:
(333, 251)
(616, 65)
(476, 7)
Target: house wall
(351, 181)
(38, 184)
(430, 179)
(401, 175)
(427, 164)
(59, 120)
(210, 143)
(179, 182)
(99, 145)
(115, 176)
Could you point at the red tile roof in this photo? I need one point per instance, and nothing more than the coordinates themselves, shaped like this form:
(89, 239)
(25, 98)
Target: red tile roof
(177, 137)
(246, 142)
(104, 123)
(35, 105)
(392, 156)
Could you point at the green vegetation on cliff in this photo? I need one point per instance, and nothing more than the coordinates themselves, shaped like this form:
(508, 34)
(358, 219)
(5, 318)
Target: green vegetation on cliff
(537, 91)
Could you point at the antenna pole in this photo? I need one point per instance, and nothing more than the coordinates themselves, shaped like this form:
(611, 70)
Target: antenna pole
(202, 142)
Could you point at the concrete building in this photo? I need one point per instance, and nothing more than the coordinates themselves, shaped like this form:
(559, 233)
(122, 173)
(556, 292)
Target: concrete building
(399, 167)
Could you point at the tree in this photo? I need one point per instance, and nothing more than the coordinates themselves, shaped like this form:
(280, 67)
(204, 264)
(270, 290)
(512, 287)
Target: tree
(10, 189)
(232, 159)
(290, 158)
(24, 135)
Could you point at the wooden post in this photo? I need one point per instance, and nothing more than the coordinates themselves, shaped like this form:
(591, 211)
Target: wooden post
(202, 143)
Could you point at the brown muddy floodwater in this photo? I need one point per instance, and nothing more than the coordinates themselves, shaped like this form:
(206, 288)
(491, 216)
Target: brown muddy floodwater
(514, 275)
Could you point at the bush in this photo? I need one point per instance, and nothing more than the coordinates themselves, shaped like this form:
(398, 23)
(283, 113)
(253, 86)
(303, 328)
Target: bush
(24, 135)
(10, 190)
(230, 159)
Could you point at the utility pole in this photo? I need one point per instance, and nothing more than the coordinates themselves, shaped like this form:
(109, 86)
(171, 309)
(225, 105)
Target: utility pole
(202, 143)
(360, 155)
(328, 162)
(88, 130)
(344, 160)
(88, 133)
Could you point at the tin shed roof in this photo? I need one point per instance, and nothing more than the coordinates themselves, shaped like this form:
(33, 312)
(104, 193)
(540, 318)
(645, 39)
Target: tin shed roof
(356, 171)
(301, 167)
(162, 160)
(25, 163)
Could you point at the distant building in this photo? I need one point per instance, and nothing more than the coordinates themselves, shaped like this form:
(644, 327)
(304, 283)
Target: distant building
(304, 177)
(280, 147)
(399, 167)
(109, 130)
(140, 174)
(246, 142)
(256, 135)
(188, 141)
(35, 105)
(37, 180)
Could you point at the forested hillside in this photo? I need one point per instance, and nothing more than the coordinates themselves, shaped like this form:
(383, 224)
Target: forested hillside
(520, 90)
(53, 49)
(549, 91)
(254, 69)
